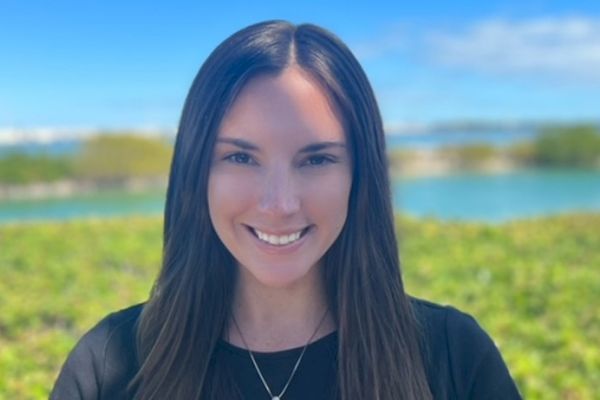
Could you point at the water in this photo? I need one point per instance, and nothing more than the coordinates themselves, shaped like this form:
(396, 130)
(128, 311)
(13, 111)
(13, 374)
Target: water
(469, 197)
(498, 198)
(99, 205)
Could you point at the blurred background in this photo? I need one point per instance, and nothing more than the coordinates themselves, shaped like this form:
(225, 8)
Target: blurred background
(491, 111)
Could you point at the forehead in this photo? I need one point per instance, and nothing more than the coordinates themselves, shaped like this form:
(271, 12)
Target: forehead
(291, 105)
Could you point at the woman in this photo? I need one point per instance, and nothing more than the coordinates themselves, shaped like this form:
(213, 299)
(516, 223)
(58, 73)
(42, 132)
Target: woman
(280, 276)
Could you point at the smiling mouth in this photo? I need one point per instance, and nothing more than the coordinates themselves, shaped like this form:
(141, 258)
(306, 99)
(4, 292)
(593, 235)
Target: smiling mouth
(277, 240)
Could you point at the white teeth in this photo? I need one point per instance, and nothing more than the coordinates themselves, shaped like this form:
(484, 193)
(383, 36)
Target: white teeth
(277, 240)
(273, 239)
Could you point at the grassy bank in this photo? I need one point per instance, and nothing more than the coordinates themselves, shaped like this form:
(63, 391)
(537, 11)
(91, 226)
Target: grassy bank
(533, 285)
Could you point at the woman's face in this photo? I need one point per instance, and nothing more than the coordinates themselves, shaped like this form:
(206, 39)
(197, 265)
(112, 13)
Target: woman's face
(280, 179)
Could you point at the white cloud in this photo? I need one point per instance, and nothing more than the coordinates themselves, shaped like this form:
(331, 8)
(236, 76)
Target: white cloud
(565, 47)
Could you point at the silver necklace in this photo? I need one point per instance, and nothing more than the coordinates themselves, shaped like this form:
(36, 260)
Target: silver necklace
(262, 378)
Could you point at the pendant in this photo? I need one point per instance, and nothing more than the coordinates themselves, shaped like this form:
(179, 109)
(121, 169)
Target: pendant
(275, 398)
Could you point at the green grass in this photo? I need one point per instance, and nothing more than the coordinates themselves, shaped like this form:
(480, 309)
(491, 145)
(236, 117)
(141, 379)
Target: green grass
(533, 285)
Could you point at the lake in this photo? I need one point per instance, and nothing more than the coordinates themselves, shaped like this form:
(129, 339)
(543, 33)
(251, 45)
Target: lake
(467, 197)
(502, 197)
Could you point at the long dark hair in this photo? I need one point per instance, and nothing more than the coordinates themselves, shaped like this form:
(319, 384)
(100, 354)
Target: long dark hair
(379, 355)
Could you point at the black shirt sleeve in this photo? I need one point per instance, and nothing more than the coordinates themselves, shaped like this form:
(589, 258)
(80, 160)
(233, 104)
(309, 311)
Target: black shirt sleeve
(102, 362)
(477, 368)
(81, 375)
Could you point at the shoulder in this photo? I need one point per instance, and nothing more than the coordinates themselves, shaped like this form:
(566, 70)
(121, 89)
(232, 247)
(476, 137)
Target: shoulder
(103, 360)
(116, 328)
(461, 358)
(446, 323)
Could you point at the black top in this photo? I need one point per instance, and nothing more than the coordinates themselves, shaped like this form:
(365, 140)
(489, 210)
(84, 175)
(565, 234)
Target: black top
(462, 362)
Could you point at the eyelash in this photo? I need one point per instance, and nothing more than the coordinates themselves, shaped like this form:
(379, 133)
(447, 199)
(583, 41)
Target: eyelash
(232, 157)
(324, 159)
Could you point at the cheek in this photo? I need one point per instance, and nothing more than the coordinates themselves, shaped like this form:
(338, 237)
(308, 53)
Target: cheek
(227, 195)
(329, 201)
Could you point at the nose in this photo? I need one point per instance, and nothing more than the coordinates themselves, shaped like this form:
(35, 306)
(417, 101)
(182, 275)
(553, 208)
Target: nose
(279, 196)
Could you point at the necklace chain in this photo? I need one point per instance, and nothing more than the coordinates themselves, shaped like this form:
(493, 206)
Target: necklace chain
(262, 378)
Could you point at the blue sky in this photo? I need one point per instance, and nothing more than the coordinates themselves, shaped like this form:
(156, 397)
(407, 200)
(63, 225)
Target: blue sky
(127, 64)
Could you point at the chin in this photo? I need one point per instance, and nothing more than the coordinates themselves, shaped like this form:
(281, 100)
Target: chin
(279, 277)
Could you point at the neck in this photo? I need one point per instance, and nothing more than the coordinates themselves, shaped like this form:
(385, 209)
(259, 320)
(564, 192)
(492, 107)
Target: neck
(273, 319)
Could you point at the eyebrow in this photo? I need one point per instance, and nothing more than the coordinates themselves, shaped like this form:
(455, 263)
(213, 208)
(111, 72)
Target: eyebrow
(311, 148)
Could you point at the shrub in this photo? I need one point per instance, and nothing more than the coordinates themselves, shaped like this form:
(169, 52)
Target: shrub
(470, 155)
(576, 146)
(23, 168)
(116, 157)
(522, 153)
